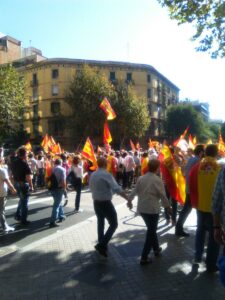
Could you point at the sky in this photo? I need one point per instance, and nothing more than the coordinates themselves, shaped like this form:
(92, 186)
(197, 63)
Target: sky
(136, 31)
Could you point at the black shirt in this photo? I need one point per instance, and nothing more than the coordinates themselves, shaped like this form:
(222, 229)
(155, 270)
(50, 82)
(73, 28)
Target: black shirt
(20, 169)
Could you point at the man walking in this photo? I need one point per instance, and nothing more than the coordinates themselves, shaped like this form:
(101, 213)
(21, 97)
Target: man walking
(103, 185)
(23, 183)
(59, 173)
(198, 154)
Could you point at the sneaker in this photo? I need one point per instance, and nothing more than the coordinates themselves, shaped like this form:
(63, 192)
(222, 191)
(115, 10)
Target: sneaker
(102, 251)
(9, 229)
(181, 233)
(145, 261)
(61, 219)
(53, 224)
(158, 253)
(76, 211)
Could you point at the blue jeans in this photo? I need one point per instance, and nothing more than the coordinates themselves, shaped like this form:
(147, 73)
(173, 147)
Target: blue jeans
(57, 209)
(105, 210)
(205, 224)
(22, 208)
(151, 239)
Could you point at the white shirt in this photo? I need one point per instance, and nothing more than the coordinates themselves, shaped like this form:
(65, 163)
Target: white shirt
(3, 186)
(78, 171)
(150, 190)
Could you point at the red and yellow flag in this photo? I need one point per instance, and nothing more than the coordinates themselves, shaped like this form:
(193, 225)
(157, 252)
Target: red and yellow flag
(106, 107)
(28, 146)
(182, 136)
(89, 154)
(107, 138)
(45, 143)
(132, 146)
(172, 175)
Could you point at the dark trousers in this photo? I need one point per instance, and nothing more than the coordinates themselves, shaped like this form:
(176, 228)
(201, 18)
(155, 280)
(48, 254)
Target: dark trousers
(205, 224)
(151, 239)
(184, 213)
(105, 210)
(78, 188)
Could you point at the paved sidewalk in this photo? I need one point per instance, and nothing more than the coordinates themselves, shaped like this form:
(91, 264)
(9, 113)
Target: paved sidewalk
(66, 266)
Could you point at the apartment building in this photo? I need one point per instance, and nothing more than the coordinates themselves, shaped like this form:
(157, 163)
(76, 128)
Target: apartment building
(48, 79)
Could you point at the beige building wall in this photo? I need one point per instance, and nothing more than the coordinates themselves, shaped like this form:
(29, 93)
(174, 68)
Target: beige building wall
(10, 49)
(40, 117)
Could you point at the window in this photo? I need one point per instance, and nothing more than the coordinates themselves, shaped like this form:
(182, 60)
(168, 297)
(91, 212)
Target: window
(55, 107)
(35, 79)
(56, 127)
(148, 78)
(129, 77)
(35, 110)
(55, 73)
(149, 93)
(112, 76)
(55, 90)
(35, 93)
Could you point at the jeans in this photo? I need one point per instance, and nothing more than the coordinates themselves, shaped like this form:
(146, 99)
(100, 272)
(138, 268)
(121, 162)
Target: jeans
(105, 210)
(78, 193)
(184, 213)
(57, 209)
(22, 208)
(151, 239)
(2, 212)
(204, 224)
(41, 177)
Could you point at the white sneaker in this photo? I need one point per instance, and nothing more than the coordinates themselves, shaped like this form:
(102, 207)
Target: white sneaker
(9, 229)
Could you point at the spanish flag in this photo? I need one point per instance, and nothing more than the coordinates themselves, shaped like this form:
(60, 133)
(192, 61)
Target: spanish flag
(89, 154)
(45, 143)
(106, 107)
(201, 183)
(172, 175)
(107, 138)
(182, 136)
(221, 145)
(28, 146)
(132, 146)
(144, 165)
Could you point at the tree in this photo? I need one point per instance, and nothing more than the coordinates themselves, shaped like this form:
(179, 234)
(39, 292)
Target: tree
(132, 114)
(85, 93)
(223, 131)
(179, 117)
(11, 101)
(208, 18)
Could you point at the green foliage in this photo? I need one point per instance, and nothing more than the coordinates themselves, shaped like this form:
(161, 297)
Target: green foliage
(209, 19)
(179, 117)
(85, 94)
(11, 101)
(132, 114)
(223, 131)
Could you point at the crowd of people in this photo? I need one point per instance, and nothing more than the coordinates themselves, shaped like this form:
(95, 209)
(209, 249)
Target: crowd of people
(145, 174)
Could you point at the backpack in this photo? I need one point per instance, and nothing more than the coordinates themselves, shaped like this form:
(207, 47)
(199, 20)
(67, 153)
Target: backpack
(52, 182)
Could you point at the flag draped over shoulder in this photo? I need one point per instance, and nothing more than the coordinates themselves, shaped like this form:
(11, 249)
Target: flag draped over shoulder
(201, 183)
(106, 107)
(89, 154)
(107, 138)
(172, 175)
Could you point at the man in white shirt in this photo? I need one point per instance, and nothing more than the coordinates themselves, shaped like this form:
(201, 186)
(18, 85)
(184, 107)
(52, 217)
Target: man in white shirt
(4, 184)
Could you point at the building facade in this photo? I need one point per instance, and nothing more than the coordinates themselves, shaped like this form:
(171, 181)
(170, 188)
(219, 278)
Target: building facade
(48, 79)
